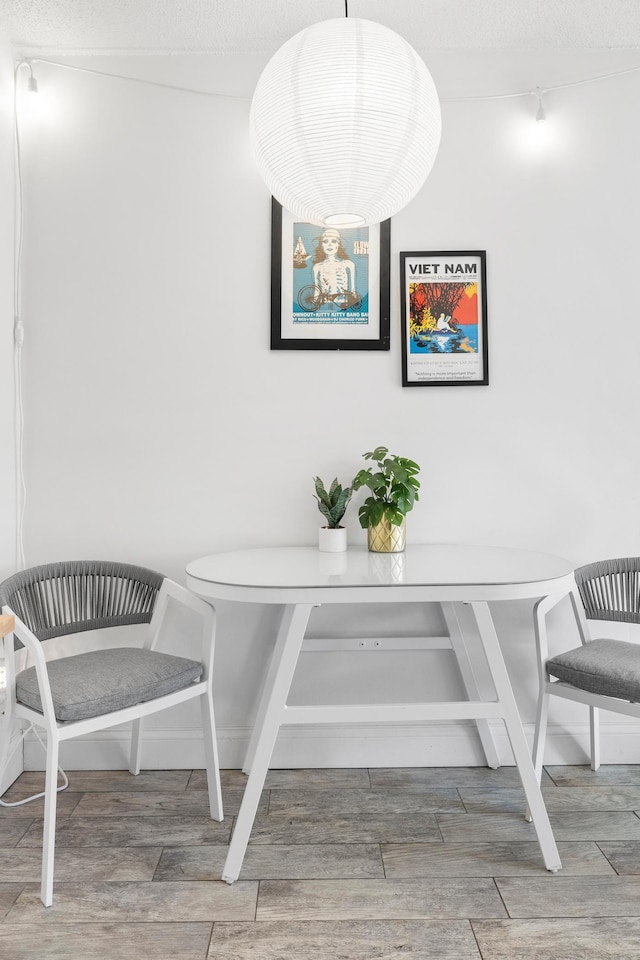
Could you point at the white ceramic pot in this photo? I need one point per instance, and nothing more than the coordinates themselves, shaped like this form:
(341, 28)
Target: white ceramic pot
(332, 539)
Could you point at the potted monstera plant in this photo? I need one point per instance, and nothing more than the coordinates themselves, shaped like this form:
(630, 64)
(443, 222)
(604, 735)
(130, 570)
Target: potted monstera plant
(332, 504)
(393, 487)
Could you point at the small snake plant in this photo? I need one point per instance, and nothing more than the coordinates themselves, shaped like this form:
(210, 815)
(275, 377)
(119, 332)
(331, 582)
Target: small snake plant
(332, 504)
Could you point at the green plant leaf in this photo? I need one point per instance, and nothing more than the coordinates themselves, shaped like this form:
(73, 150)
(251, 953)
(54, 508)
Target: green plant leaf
(360, 479)
(395, 516)
(333, 489)
(403, 504)
(376, 513)
(378, 454)
(396, 470)
(366, 478)
(325, 511)
(320, 490)
(340, 506)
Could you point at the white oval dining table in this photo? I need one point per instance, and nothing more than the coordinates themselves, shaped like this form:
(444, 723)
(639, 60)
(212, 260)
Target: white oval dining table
(301, 578)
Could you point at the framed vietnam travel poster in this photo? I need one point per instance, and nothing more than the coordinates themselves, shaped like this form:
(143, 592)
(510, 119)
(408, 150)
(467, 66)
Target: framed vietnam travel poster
(329, 285)
(444, 319)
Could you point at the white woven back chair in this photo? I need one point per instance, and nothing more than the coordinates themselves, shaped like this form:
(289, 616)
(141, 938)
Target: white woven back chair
(602, 673)
(93, 690)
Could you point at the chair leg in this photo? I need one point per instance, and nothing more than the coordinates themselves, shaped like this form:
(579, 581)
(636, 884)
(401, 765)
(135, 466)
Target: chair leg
(49, 831)
(542, 716)
(594, 735)
(135, 756)
(211, 760)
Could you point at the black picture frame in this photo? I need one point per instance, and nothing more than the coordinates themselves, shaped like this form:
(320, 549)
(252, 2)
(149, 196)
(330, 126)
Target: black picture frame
(443, 301)
(306, 316)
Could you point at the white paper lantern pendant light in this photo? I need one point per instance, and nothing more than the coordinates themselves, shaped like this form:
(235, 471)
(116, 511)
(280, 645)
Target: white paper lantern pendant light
(345, 123)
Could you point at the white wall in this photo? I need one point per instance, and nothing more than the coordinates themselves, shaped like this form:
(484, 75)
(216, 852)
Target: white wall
(7, 475)
(161, 427)
(7, 458)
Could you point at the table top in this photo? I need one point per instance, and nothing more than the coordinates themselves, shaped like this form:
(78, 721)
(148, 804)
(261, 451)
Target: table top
(422, 571)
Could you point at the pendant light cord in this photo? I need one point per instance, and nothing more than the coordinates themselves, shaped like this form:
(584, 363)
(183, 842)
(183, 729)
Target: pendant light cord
(18, 326)
(346, 9)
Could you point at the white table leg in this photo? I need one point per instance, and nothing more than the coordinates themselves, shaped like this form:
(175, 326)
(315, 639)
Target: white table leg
(272, 708)
(516, 735)
(267, 687)
(468, 678)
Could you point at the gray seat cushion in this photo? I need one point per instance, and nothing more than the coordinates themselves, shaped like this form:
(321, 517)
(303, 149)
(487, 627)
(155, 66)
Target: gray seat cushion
(608, 667)
(102, 681)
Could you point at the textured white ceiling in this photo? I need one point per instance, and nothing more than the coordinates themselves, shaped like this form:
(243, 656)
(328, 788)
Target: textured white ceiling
(246, 26)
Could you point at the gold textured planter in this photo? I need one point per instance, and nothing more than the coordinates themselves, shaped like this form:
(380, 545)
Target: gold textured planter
(387, 537)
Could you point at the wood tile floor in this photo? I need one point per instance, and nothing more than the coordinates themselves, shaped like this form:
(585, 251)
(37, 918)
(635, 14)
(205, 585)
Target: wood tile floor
(432, 864)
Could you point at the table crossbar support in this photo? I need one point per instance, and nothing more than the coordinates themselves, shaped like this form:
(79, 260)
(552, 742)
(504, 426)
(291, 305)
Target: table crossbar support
(391, 712)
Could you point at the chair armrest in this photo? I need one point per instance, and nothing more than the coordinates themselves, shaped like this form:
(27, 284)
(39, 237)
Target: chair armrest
(188, 598)
(540, 611)
(172, 590)
(542, 608)
(21, 631)
(34, 649)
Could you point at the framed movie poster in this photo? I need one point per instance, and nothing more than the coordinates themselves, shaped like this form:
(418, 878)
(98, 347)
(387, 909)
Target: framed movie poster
(444, 318)
(329, 285)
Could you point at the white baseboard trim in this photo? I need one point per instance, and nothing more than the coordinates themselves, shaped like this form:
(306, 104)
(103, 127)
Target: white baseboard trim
(373, 745)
